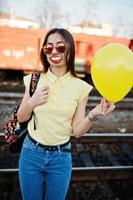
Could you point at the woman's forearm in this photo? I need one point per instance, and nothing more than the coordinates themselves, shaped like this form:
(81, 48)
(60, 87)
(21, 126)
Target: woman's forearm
(25, 111)
(104, 108)
(82, 127)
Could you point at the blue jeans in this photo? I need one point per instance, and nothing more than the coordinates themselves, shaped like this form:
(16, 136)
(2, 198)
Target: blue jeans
(37, 164)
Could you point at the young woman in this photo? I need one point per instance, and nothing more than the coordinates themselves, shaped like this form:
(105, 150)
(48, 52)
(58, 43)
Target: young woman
(58, 111)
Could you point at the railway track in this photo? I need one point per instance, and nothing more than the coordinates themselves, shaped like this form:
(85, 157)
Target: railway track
(119, 121)
(11, 98)
(18, 86)
(94, 154)
(102, 161)
(92, 177)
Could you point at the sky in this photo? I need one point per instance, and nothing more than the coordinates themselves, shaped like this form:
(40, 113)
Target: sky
(76, 10)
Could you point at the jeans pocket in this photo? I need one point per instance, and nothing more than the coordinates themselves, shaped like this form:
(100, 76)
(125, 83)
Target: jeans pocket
(28, 144)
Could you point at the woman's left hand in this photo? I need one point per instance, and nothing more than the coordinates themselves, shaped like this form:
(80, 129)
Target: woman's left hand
(104, 108)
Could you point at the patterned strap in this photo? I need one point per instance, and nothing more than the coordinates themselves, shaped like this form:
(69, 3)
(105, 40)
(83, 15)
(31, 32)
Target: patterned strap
(34, 81)
(33, 85)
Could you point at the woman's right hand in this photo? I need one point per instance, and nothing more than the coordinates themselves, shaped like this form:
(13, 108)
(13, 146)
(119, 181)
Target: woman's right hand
(39, 97)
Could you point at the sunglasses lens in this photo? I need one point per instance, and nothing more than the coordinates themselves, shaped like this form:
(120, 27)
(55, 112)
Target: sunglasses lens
(47, 50)
(61, 48)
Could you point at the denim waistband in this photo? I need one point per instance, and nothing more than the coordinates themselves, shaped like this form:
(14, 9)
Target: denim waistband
(51, 147)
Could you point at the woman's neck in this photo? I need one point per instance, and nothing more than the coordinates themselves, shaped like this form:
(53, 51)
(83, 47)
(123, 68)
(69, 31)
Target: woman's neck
(58, 71)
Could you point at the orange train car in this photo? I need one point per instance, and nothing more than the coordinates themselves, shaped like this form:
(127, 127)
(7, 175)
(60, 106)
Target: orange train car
(20, 48)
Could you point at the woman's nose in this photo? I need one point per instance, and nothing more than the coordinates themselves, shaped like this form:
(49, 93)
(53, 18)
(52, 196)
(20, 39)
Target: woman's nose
(54, 51)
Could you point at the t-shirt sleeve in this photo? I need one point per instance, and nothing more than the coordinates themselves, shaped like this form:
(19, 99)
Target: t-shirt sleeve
(85, 90)
(26, 81)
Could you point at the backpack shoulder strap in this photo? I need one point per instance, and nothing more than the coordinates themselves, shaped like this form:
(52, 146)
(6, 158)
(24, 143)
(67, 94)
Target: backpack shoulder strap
(34, 81)
(33, 85)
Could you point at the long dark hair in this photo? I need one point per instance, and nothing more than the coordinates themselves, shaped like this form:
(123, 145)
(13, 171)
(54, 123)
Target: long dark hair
(70, 57)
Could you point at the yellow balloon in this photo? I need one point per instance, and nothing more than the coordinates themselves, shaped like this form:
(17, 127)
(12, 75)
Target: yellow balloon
(112, 71)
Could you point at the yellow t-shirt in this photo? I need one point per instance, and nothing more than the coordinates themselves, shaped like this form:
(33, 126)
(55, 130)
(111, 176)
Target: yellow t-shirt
(53, 119)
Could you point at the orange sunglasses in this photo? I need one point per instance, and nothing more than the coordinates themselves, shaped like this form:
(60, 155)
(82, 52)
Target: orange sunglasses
(48, 48)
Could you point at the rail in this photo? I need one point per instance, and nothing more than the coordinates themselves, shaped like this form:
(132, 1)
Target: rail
(10, 98)
(97, 137)
(116, 171)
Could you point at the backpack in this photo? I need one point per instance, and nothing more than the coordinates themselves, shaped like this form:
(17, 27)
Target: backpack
(16, 132)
